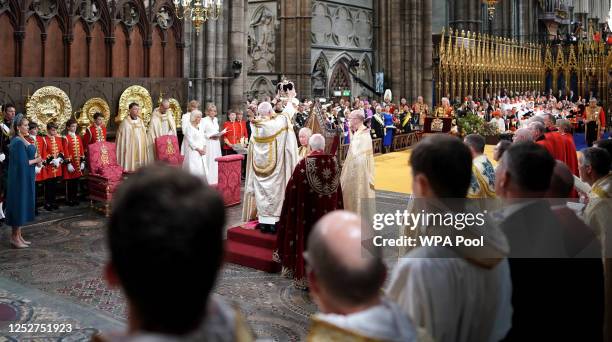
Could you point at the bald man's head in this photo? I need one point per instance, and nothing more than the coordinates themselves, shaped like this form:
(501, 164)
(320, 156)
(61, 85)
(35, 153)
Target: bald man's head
(561, 182)
(334, 253)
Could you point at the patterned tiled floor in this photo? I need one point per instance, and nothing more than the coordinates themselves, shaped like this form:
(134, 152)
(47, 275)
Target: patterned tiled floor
(60, 279)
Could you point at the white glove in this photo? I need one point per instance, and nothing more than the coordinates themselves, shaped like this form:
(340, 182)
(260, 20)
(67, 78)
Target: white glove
(56, 162)
(82, 166)
(37, 169)
(2, 157)
(70, 168)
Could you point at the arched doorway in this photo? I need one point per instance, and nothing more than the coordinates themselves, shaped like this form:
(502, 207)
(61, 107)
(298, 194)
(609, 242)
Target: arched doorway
(340, 83)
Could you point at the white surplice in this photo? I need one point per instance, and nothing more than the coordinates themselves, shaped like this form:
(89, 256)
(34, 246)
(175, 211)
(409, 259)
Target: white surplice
(452, 298)
(213, 148)
(385, 322)
(185, 124)
(195, 163)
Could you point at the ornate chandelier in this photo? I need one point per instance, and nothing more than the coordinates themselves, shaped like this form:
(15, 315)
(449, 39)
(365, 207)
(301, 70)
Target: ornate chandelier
(490, 7)
(198, 12)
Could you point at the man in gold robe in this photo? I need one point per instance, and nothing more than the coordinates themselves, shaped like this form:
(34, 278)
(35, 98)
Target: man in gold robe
(595, 122)
(273, 154)
(162, 123)
(357, 178)
(132, 141)
(482, 184)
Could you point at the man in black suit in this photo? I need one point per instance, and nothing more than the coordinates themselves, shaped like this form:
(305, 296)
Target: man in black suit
(554, 296)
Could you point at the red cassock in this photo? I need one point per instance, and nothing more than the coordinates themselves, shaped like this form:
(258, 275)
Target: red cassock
(94, 134)
(571, 158)
(53, 147)
(313, 191)
(39, 143)
(75, 153)
(234, 133)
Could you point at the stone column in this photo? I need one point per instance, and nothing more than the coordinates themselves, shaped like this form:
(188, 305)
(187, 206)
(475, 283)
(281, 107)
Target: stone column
(237, 52)
(295, 31)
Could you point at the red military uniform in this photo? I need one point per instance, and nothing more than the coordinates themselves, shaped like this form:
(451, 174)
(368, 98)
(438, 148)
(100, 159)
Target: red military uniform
(75, 153)
(94, 134)
(39, 143)
(54, 146)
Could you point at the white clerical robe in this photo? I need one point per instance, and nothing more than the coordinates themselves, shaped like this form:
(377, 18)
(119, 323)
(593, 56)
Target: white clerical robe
(453, 298)
(273, 154)
(357, 178)
(161, 124)
(210, 126)
(185, 124)
(195, 163)
(385, 321)
(132, 144)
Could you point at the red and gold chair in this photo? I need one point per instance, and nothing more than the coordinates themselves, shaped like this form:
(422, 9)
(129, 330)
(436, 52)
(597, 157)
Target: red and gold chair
(167, 150)
(104, 173)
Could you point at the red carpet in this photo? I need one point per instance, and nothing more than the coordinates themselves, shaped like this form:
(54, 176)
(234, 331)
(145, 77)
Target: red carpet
(251, 248)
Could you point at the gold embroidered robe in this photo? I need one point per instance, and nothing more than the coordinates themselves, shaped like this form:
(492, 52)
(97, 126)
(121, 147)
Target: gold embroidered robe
(132, 144)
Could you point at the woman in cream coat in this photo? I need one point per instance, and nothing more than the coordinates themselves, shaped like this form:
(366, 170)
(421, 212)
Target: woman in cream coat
(195, 147)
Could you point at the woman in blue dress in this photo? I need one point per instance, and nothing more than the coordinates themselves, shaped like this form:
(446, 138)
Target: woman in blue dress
(389, 129)
(21, 189)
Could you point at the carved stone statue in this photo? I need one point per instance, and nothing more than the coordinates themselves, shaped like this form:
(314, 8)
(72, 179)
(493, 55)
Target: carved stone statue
(261, 40)
(45, 8)
(89, 10)
(164, 19)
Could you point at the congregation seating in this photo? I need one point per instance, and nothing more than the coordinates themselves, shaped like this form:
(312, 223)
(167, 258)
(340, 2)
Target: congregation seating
(168, 151)
(104, 175)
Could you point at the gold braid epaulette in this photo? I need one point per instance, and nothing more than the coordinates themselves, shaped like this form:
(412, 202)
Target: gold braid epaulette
(267, 140)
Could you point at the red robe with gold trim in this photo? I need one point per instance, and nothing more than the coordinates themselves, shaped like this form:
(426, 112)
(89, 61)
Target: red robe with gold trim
(54, 146)
(94, 134)
(73, 152)
(39, 143)
(313, 191)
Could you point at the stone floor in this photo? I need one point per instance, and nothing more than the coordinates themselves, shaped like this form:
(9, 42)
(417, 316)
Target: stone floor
(59, 280)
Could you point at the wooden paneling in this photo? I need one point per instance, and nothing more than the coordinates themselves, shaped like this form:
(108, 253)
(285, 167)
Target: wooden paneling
(64, 44)
(171, 57)
(136, 54)
(7, 52)
(32, 50)
(156, 61)
(120, 53)
(54, 51)
(97, 52)
(78, 52)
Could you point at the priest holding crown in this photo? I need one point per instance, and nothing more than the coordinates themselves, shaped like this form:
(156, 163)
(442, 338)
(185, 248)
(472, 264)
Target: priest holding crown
(273, 154)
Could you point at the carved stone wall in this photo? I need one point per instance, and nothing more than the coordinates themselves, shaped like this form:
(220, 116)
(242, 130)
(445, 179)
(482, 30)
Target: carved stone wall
(341, 31)
(262, 48)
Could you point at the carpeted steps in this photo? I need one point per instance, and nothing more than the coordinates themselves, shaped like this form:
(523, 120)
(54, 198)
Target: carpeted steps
(251, 248)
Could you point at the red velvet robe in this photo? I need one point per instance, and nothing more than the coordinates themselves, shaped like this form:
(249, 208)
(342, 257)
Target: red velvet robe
(73, 151)
(39, 142)
(54, 146)
(313, 191)
(571, 158)
(94, 134)
(554, 144)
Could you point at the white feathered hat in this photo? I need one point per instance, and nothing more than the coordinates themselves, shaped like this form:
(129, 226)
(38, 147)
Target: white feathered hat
(388, 96)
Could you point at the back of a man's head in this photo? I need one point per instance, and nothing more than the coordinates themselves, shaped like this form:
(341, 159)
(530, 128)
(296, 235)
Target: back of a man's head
(446, 162)
(529, 167)
(597, 158)
(606, 144)
(346, 278)
(523, 134)
(475, 142)
(166, 244)
(561, 182)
